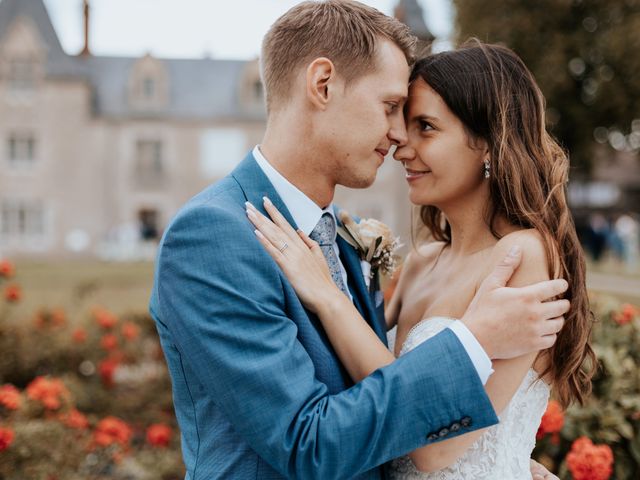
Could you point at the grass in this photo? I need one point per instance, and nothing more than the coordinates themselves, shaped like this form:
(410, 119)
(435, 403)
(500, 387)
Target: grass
(79, 285)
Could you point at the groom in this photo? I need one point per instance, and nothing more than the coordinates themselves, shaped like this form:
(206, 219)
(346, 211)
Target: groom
(258, 389)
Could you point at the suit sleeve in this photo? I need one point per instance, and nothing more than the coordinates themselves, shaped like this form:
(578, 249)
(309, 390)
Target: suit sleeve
(221, 296)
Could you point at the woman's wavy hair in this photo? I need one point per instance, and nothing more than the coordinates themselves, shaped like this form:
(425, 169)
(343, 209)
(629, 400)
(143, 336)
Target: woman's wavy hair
(492, 92)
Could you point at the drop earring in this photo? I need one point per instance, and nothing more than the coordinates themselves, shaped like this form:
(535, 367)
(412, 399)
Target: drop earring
(487, 169)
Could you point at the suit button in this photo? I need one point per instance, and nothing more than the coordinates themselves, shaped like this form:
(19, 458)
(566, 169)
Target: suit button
(443, 433)
(466, 422)
(432, 437)
(454, 427)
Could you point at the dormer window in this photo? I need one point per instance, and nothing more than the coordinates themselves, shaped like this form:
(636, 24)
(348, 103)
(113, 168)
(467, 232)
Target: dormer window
(22, 74)
(148, 85)
(148, 88)
(257, 90)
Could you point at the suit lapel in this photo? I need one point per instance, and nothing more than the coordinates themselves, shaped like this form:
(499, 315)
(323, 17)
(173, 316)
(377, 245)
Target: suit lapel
(255, 185)
(362, 297)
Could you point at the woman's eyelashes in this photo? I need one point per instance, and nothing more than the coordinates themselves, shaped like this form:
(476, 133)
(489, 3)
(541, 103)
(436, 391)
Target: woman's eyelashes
(425, 126)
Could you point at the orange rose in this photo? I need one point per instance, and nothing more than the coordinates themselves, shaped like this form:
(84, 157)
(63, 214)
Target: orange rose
(159, 435)
(50, 392)
(552, 420)
(587, 461)
(7, 269)
(109, 342)
(79, 335)
(12, 293)
(10, 397)
(104, 318)
(626, 314)
(112, 430)
(130, 331)
(75, 419)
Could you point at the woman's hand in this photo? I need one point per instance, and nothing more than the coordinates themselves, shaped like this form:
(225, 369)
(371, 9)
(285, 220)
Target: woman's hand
(299, 257)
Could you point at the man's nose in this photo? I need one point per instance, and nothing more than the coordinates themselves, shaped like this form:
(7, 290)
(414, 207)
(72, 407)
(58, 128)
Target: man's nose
(398, 132)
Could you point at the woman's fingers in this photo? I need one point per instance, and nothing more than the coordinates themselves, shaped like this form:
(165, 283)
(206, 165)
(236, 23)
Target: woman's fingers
(279, 219)
(276, 254)
(271, 232)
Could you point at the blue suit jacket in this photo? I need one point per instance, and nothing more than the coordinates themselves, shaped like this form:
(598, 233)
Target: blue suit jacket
(258, 390)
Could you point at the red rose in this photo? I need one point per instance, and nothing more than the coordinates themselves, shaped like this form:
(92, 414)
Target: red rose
(159, 435)
(107, 368)
(6, 438)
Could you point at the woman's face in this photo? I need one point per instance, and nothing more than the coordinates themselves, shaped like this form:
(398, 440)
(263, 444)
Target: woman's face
(442, 165)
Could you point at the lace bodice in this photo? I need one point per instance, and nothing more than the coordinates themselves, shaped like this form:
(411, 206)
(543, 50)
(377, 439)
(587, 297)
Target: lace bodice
(504, 450)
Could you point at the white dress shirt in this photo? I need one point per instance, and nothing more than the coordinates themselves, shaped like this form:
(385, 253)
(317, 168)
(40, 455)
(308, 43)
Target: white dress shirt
(306, 213)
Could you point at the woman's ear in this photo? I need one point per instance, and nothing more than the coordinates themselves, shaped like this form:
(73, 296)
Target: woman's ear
(321, 79)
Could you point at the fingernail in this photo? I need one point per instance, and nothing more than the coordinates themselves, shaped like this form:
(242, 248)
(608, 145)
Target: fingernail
(249, 205)
(250, 213)
(515, 251)
(267, 201)
(258, 233)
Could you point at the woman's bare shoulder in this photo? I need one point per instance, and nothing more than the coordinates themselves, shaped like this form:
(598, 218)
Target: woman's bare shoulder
(423, 256)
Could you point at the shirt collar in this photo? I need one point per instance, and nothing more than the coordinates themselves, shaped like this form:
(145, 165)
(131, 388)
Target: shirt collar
(305, 212)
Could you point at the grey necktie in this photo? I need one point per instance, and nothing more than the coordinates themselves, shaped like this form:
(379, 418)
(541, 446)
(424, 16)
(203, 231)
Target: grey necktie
(325, 234)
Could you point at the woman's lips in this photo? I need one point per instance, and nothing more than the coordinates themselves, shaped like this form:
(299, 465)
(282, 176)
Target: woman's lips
(415, 174)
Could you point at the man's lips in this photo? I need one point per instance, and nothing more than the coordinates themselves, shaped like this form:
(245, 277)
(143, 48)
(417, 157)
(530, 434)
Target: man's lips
(382, 152)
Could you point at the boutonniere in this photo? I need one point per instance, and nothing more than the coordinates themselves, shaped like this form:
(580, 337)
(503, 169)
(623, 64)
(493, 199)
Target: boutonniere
(374, 242)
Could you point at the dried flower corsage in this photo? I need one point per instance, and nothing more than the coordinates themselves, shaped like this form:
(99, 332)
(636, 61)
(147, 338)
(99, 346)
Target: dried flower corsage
(374, 242)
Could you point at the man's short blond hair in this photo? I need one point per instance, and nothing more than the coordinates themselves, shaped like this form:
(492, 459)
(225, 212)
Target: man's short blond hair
(344, 31)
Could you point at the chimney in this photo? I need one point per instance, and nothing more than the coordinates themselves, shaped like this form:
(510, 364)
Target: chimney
(85, 50)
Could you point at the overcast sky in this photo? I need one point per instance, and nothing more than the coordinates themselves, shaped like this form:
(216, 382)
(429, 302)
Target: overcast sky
(194, 28)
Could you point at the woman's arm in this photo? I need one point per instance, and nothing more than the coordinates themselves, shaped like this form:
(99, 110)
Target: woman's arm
(508, 374)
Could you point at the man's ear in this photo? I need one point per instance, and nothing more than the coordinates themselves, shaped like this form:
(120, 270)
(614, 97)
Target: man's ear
(321, 79)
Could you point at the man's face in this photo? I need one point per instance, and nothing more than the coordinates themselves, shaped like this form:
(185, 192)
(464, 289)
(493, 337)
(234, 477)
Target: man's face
(365, 119)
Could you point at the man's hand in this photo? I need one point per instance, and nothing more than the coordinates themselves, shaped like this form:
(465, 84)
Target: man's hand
(510, 322)
(538, 472)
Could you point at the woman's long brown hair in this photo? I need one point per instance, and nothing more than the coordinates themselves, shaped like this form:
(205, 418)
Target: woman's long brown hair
(497, 99)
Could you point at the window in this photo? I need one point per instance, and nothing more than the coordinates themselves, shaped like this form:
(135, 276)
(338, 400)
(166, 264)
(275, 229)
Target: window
(21, 218)
(22, 74)
(221, 149)
(149, 163)
(257, 89)
(149, 88)
(21, 150)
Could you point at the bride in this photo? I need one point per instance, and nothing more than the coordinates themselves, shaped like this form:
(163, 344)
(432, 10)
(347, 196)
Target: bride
(487, 177)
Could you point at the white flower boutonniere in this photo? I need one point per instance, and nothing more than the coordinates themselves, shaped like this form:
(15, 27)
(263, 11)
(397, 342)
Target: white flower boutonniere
(375, 243)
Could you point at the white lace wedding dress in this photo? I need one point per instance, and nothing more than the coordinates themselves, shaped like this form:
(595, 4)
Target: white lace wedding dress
(504, 450)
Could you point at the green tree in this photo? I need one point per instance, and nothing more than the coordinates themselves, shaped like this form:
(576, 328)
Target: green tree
(585, 55)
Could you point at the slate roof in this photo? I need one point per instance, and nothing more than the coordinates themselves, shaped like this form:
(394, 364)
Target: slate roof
(200, 89)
